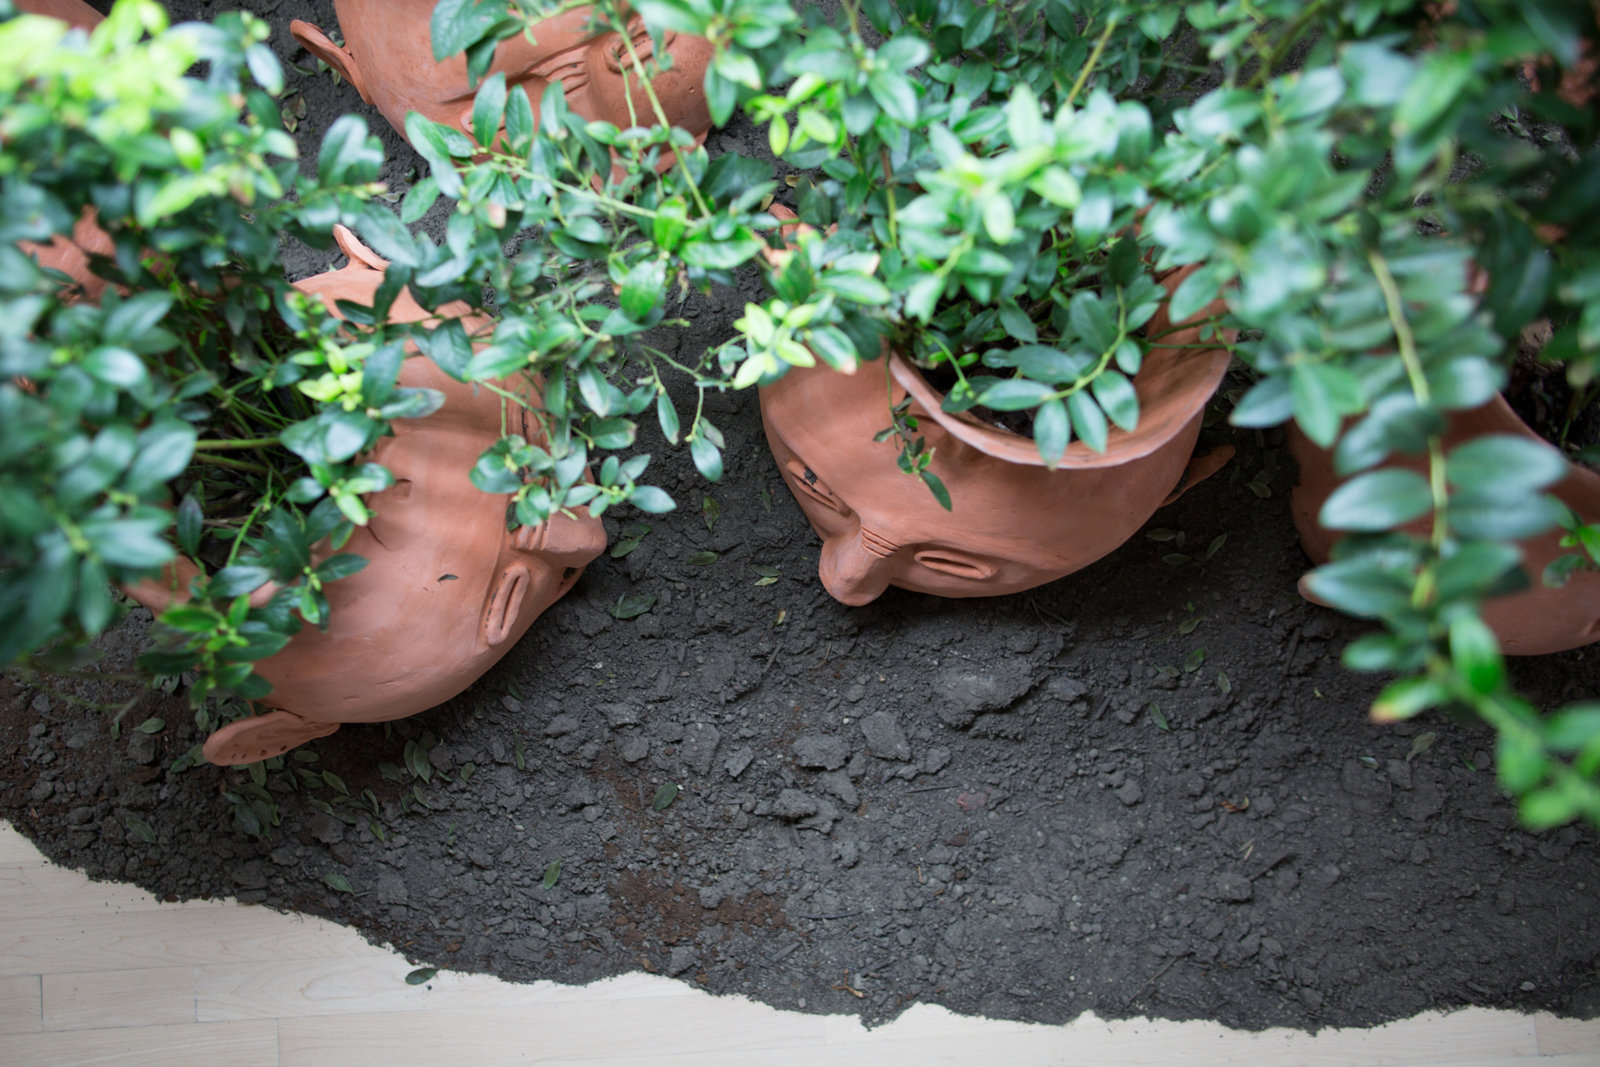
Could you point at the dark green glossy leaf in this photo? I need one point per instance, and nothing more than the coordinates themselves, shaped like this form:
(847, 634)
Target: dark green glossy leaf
(1377, 500)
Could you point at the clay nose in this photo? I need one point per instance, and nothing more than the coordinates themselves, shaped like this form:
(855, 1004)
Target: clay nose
(856, 568)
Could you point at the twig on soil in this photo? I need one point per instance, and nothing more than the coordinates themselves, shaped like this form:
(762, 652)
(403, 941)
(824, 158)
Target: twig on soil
(1294, 646)
(1101, 710)
(1153, 980)
(841, 915)
(931, 788)
(772, 659)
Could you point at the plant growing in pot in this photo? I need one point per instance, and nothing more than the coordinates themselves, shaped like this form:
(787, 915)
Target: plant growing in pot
(282, 416)
(983, 211)
(179, 395)
(982, 164)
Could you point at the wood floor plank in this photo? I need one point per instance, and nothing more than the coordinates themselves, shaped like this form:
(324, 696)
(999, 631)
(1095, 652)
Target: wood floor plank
(175, 935)
(726, 1030)
(16, 850)
(1560, 1036)
(243, 1044)
(20, 1011)
(297, 988)
(34, 892)
(90, 1000)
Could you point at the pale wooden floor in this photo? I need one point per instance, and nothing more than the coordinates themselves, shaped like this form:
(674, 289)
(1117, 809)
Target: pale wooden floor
(100, 973)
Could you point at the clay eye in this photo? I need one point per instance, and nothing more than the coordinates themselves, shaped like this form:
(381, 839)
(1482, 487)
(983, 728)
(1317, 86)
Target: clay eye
(955, 564)
(806, 481)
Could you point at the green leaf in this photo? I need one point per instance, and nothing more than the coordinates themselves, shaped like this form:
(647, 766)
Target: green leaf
(708, 253)
(632, 605)
(707, 457)
(421, 976)
(165, 448)
(489, 109)
(552, 874)
(1504, 463)
(1052, 431)
(133, 543)
(417, 762)
(152, 726)
(1014, 394)
(1408, 698)
(1363, 586)
(1117, 398)
(1024, 121)
(1194, 293)
(895, 94)
(643, 289)
(1322, 395)
(1476, 653)
(237, 580)
(338, 883)
(857, 288)
(701, 559)
(651, 500)
(1502, 516)
(1377, 500)
(1088, 421)
(459, 23)
(999, 220)
(1094, 320)
(116, 366)
(664, 796)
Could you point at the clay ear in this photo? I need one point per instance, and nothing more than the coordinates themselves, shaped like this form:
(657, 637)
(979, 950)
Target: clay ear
(262, 737)
(351, 246)
(505, 603)
(339, 58)
(1199, 469)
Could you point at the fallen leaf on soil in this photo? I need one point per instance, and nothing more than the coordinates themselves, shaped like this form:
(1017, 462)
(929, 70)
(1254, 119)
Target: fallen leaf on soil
(664, 796)
(1420, 744)
(632, 605)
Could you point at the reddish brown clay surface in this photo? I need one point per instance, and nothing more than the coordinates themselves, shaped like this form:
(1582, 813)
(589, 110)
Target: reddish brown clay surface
(75, 12)
(1533, 622)
(1014, 524)
(448, 590)
(388, 57)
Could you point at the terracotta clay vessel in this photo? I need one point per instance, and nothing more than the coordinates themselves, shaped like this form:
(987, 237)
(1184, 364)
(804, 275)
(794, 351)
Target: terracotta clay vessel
(388, 57)
(447, 590)
(1533, 622)
(73, 12)
(1015, 524)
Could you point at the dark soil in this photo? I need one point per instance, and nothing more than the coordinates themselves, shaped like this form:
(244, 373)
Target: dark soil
(1148, 788)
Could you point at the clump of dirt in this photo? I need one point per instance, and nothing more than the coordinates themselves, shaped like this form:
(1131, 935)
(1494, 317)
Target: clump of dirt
(1147, 788)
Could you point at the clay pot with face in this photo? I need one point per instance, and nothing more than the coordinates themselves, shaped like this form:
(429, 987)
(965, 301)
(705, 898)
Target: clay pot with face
(447, 589)
(1533, 622)
(388, 57)
(1015, 524)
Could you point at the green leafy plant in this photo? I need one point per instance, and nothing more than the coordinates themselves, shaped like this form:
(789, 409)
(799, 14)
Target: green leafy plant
(183, 398)
(993, 188)
(170, 402)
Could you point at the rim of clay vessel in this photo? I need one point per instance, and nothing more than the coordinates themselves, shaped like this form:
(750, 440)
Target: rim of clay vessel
(1173, 386)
